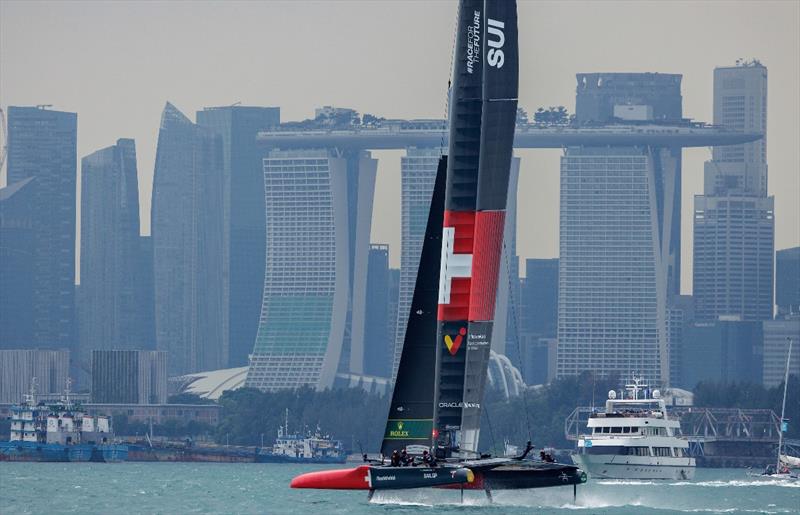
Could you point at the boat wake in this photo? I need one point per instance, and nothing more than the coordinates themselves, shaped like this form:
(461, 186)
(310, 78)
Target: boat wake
(711, 484)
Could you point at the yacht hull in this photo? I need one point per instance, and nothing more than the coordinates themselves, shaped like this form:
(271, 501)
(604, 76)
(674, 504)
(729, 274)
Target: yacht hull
(524, 475)
(609, 466)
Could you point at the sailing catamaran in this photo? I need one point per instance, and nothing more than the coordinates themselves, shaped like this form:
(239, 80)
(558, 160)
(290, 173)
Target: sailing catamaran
(435, 410)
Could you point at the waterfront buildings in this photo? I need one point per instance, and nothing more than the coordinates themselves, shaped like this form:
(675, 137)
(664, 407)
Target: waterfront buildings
(620, 232)
(723, 351)
(603, 97)
(243, 218)
(734, 219)
(787, 281)
(191, 319)
(42, 147)
(539, 315)
(776, 345)
(378, 331)
(318, 215)
(129, 377)
(20, 369)
(612, 275)
(112, 300)
(16, 258)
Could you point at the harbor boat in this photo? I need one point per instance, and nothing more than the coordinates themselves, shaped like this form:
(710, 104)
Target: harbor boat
(634, 438)
(295, 448)
(783, 468)
(59, 432)
(435, 412)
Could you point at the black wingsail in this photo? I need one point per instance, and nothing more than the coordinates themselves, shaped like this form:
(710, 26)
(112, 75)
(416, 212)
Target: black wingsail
(410, 420)
(466, 97)
(498, 120)
(482, 119)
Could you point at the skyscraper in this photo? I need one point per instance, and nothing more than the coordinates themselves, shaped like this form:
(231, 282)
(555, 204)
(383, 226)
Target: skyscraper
(378, 338)
(787, 281)
(540, 298)
(111, 295)
(619, 233)
(243, 212)
(42, 144)
(16, 263)
(734, 219)
(612, 279)
(318, 213)
(191, 318)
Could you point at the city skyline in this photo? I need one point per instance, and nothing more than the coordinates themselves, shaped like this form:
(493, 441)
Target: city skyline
(547, 81)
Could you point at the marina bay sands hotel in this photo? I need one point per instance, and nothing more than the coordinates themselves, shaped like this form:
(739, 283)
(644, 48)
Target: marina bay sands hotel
(620, 238)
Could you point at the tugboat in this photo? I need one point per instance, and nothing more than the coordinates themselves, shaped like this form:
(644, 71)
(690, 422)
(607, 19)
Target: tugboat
(295, 448)
(61, 432)
(433, 427)
(634, 438)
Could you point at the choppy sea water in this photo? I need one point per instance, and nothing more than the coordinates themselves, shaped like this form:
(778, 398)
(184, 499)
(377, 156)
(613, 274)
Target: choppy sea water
(178, 488)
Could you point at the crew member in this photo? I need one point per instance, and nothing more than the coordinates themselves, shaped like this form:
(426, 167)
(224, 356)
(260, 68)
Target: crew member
(405, 459)
(395, 458)
(427, 459)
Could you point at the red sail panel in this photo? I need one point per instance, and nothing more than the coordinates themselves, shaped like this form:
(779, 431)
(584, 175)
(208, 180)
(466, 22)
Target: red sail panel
(458, 309)
(486, 264)
(456, 265)
(464, 224)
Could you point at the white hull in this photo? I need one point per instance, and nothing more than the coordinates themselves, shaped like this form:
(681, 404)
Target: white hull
(609, 466)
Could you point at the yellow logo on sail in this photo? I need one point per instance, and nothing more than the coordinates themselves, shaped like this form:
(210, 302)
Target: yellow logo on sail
(453, 344)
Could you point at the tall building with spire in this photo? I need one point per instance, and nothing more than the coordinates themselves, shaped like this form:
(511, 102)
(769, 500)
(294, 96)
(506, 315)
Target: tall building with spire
(42, 147)
(111, 302)
(189, 271)
(734, 218)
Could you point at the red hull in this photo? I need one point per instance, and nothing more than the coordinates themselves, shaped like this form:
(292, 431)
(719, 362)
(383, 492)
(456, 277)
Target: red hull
(349, 479)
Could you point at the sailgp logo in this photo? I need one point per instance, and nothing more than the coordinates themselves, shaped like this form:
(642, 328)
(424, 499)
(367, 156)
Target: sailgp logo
(495, 56)
(453, 344)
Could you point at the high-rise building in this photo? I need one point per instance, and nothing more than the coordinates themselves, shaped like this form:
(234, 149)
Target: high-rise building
(191, 316)
(111, 295)
(243, 212)
(787, 281)
(540, 298)
(734, 219)
(607, 97)
(680, 313)
(776, 345)
(144, 277)
(723, 351)
(620, 238)
(46, 370)
(612, 272)
(42, 145)
(318, 214)
(129, 377)
(16, 263)
(378, 332)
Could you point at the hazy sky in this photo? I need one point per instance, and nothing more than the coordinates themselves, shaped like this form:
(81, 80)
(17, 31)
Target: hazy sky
(116, 63)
